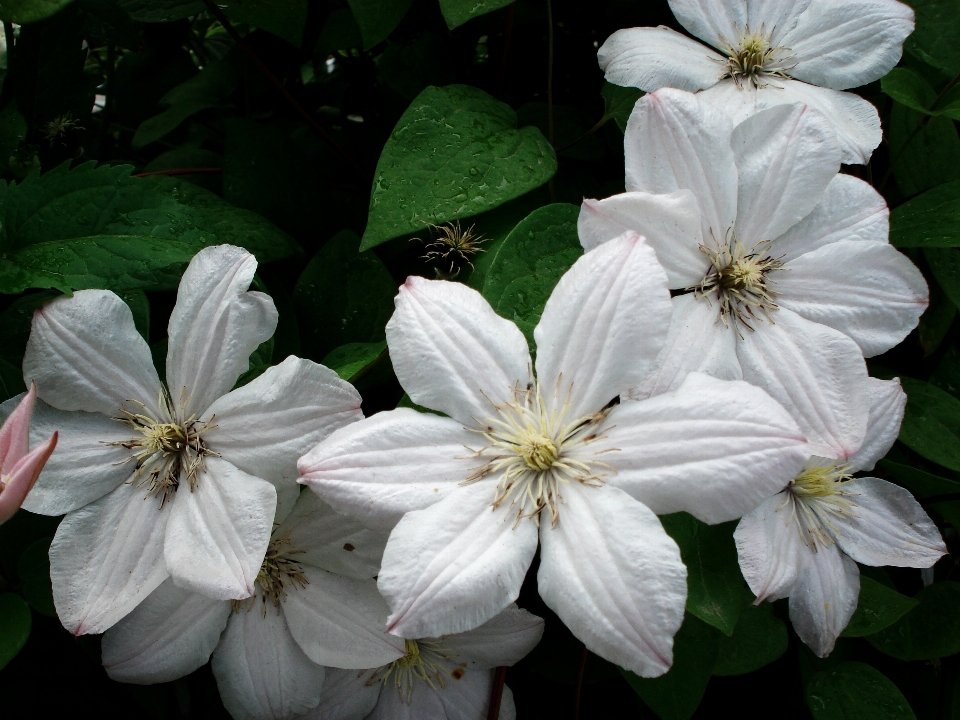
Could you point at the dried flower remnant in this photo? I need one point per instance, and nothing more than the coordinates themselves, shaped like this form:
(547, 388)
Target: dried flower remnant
(452, 246)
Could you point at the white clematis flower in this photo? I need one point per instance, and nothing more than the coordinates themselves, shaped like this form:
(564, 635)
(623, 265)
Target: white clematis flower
(784, 260)
(181, 483)
(316, 603)
(805, 542)
(550, 456)
(447, 678)
(771, 53)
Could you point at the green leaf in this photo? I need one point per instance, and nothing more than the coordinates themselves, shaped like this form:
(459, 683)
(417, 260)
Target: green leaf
(909, 88)
(99, 227)
(946, 375)
(340, 32)
(618, 103)
(15, 621)
(945, 265)
(283, 18)
(758, 639)
(931, 423)
(454, 153)
(410, 69)
(13, 129)
(936, 319)
(155, 11)
(569, 127)
(378, 18)
(343, 297)
(457, 12)
(105, 21)
(930, 220)
(34, 571)
(676, 695)
(352, 359)
(855, 691)
(877, 608)
(935, 38)
(930, 630)
(23, 12)
(920, 483)
(923, 156)
(715, 586)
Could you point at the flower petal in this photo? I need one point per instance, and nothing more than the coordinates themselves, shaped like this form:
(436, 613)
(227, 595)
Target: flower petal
(652, 58)
(721, 22)
(848, 43)
(22, 477)
(455, 565)
(886, 526)
(770, 548)
(850, 209)
(504, 640)
(824, 598)
(106, 558)
(451, 352)
(340, 622)
(887, 405)
(214, 327)
(615, 578)
(786, 156)
(331, 541)
(15, 433)
(697, 341)
(423, 704)
(84, 353)
(675, 142)
(219, 531)
(611, 305)
(261, 672)
(867, 290)
(167, 636)
(347, 695)
(670, 223)
(389, 464)
(817, 374)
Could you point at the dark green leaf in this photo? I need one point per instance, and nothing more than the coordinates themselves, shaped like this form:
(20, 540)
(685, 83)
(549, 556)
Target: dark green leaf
(352, 359)
(105, 21)
(715, 586)
(34, 571)
(29, 11)
(931, 424)
(920, 483)
(676, 695)
(937, 318)
(13, 129)
(15, 623)
(945, 265)
(569, 127)
(923, 155)
(909, 88)
(935, 38)
(758, 639)
(340, 32)
(931, 220)
(378, 18)
(946, 376)
(877, 608)
(409, 69)
(454, 153)
(140, 307)
(153, 11)
(457, 12)
(930, 630)
(618, 103)
(855, 691)
(284, 18)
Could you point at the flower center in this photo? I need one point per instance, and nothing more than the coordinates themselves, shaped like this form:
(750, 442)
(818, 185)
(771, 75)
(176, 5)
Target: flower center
(751, 59)
(279, 572)
(817, 495)
(424, 661)
(535, 451)
(167, 449)
(739, 280)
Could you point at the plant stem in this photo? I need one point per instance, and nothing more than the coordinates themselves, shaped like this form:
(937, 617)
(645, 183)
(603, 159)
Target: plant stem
(576, 693)
(505, 50)
(496, 695)
(550, 85)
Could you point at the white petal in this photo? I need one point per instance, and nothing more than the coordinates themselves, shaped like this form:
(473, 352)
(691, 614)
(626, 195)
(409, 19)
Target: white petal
(332, 541)
(847, 43)
(713, 448)
(887, 404)
(770, 548)
(786, 156)
(886, 526)
(106, 558)
(674, 142)
(720, 22)
(508, 709)
(670, 223)
(697, 341)
(465, 694)
(867, 290)
(340, 622)
(504, 640)
(347, 695)
(261, 672)
(824, 598)
(389, 464)
(84, 466)
(652, 58)
(218, 532)
(451, 352)
(817, 374)
(455, 565)
(264, 426)
(424, 704)
(85, 353)
(167, 636)
(613, 304)
(615, 578)
(215, 325)
(850, 209)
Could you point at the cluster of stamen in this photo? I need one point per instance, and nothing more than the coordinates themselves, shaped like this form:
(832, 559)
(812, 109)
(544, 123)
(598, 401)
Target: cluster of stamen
(752, 60)
(279, 573)
(166, 450)
(452, 246)
(424, 661)
(536, 451)
(739, 281)
(817, 495)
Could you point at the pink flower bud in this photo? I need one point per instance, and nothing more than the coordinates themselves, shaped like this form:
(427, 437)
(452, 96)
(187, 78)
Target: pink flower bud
(20, 468)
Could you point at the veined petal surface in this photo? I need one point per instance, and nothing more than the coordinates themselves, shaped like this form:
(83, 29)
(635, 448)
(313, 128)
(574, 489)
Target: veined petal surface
(887, 405)
(652, 58)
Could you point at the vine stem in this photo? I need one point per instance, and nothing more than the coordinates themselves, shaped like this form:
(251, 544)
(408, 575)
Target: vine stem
(505, 50)
(550, 85)
(265, 71)
(496, 695)
(576, 693)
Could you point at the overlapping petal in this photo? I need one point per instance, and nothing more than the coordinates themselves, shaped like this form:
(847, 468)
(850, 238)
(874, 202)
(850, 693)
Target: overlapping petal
(824, 598)
(720, 22)
(347, 695)
(887, 405)
(652, 58)
(771, 551)
(504, 640)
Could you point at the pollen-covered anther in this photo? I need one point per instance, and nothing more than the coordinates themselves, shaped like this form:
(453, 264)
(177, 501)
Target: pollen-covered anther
(752, 59)
(279, 573)
(424, 661)
(817, 495)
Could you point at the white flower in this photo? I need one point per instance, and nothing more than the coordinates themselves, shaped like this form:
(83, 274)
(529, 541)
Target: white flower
(447, 678)
(784, 260)
(316, 604)
(771, 53)
(553, 456)
(184, 484)
(802, 543)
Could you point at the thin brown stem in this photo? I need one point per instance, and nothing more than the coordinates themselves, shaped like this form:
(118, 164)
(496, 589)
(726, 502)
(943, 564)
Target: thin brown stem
(496, 695)
(576, 692)
(550, 85)
(181, 171)
(505, 50)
